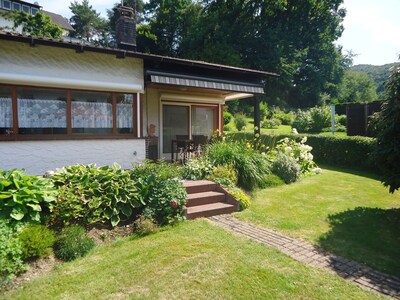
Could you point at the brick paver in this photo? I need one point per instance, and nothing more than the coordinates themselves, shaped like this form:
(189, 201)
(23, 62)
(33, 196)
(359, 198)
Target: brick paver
(302, 251)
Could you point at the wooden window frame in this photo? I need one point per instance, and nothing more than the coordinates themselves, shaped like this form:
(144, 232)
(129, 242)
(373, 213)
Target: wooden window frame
(15, 136)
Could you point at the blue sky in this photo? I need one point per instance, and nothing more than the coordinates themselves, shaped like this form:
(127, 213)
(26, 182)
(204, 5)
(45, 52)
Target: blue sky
(372, 27)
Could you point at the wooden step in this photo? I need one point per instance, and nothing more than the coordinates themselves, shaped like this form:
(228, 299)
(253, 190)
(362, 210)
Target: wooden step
(209, 210)
(199, 186)
(204, 198)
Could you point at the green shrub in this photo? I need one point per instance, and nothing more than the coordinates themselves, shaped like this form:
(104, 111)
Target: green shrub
(227, 117)
(340, 128)
(224, 175)
(271, 123)
(271, 180)
(263, 110)
(24, 197)
(197, 169)
(37, 241)
(341, 120)
(320, 118)
(238, 194)
(11, 262)
(249, 165)
(240, 121)
(285, 118)
(302, 121)
(161, 169)
(144, 225)
(286, 167)
(227, 128)
(351, 152)
(95, 195)
(73, 243)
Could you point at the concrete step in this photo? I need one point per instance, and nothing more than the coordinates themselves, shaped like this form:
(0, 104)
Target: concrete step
(209, 210)
(199, 186)
(204, 198)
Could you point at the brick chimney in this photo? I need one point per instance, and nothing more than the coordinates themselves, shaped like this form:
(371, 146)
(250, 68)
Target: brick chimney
(125, 28)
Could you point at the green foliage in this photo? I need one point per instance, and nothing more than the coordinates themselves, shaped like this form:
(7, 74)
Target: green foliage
(11, 263)
(38, 24)
(388, 150)
(37, 241)
(144, 225)
(224, 175)
(24, 197)
(249, 164)
(161, 190)
(379, 74)
(197, 169)
(263, 110)
(72, 243)
(320, 118)
(94, 195)
(341, 119)
(302, 121)
(227, 117)
(240, 121)
(286, 167)
(272, 180)
(356, 87)
(241, 196)
(271, 123)
(86, 21)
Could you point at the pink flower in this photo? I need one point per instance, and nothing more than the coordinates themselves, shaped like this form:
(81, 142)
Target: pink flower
(174, 204)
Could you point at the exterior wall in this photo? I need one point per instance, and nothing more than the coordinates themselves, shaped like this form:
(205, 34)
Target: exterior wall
(64, 68)
(7, 25)
(36, 157)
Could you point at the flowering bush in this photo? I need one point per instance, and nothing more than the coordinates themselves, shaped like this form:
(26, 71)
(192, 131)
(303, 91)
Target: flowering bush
(299, 151)
(197, 169)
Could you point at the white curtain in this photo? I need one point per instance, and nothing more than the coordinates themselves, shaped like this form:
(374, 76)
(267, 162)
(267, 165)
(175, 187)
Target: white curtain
(42, 113)
(6, 116)
(91, 115)
(125, 115)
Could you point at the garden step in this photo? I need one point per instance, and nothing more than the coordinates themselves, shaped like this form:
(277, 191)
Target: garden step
(199, 186)
(204, 198)
(209, 210)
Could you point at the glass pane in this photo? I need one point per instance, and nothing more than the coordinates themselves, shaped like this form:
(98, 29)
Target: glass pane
(42, 111)
(175, 124)
(125, 113)
(6, 4)
(6, 114)
(91, 113)
(26, 9)
(16, 6)
(203, 121)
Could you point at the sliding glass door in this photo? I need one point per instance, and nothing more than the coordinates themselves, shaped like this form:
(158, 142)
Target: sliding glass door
(175, 124)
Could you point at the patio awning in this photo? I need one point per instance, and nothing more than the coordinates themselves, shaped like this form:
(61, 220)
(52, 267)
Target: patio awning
(204, 82)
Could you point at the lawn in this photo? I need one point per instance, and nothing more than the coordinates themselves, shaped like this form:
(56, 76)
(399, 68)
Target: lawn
(194, 260)
(352, 215)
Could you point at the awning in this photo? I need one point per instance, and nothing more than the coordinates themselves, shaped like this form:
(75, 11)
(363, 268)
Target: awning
(204, 82)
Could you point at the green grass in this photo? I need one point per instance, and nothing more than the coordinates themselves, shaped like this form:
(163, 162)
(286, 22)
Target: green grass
(194, 260)
(282, 129)
(351, 215)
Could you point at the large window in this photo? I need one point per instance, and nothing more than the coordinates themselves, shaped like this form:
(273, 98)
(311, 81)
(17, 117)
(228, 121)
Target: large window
(42, 111)
(16, 6)
(26, 113)
(6, 4)
(26, 9)
(92, 113)
(6, 112)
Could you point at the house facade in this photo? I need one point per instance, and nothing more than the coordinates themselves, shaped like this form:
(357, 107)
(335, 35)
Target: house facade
(63, 103)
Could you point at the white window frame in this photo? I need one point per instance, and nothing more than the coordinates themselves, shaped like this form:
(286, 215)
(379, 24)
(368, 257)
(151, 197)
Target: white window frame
(6, 1)
(34, 10)
(19, 4)
(26, 7)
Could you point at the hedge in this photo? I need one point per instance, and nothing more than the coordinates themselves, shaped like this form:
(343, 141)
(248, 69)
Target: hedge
(353, 152)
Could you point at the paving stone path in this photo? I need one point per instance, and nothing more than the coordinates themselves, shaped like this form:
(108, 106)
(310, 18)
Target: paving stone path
(307, 253)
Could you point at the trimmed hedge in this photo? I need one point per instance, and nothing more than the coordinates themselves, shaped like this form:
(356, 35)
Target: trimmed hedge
(353, 152)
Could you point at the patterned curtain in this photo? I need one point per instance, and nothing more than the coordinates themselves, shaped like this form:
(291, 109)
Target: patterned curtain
(6, 116)
(91, 115)
(42, 113)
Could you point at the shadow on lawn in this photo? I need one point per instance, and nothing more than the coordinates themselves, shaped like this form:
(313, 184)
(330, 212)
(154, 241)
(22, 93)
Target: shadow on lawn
(366, 235)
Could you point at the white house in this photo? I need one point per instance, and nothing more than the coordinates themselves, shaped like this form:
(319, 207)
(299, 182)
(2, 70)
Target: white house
(63, 103)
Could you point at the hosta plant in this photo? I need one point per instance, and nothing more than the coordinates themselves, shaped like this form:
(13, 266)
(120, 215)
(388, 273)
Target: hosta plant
(89, 195)
(24, 197)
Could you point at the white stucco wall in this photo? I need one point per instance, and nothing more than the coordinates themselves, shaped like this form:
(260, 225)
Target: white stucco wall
(36, 157)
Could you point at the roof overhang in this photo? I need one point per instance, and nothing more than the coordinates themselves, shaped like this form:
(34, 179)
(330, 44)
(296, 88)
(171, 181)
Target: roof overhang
(236, 89)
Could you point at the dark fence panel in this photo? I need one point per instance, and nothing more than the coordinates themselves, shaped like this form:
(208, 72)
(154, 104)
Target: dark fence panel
(357, 117)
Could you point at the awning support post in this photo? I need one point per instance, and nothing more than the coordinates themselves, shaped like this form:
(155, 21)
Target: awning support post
(256, 120)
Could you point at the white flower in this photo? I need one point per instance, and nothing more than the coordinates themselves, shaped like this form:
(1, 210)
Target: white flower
(317, 170)
(286, 140)
(262, 153)
(294, 131)
(304, 139)
(288, 150)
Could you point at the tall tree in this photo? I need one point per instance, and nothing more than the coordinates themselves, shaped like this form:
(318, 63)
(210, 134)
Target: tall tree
(38, 24)
(87, 22)
(388, 150)
(356, 87)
